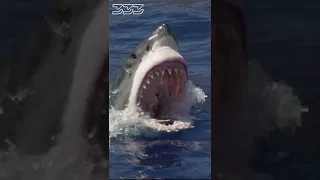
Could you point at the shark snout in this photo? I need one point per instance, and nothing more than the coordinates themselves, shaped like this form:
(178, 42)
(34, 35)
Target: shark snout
(163, 29)
(163, 38)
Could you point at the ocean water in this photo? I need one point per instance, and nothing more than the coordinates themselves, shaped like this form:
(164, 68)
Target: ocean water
(182, 155)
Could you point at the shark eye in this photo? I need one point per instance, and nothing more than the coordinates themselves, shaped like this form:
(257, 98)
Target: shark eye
(148, 47)
(134, 56)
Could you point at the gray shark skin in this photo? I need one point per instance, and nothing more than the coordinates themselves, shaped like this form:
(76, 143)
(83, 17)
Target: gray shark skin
(154, 60)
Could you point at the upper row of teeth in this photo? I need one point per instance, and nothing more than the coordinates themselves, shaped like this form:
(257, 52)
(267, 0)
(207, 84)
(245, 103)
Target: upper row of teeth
(180, 71)
(151, 75)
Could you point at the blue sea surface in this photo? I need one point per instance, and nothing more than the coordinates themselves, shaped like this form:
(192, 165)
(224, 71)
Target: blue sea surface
(182, 155)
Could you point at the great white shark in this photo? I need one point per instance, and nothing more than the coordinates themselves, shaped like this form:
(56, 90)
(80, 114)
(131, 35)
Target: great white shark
(153, 82)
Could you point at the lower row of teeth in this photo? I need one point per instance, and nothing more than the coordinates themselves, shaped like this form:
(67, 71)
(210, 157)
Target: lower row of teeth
(175, 127)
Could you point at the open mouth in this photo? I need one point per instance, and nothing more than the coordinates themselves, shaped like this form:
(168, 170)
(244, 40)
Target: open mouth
(163, 90)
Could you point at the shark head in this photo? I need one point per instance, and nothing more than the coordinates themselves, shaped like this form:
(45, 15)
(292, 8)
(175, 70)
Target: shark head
(154, 77)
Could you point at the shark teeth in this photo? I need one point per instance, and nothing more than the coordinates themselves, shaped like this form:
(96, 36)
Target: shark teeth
(161, 73)
(176, 127)
(160, 76)
(175, 70)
